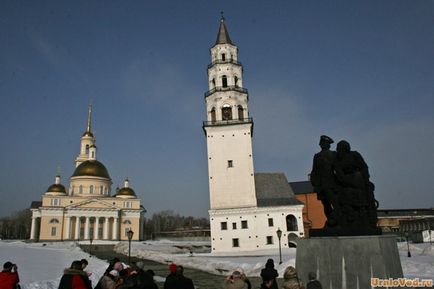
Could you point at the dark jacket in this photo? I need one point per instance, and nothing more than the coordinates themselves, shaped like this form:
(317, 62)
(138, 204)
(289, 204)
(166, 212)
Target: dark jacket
(138, 280)
(313, 284)
(269, 273)
(8, 280)
(185, 283)
(172, 281)
(74, 279)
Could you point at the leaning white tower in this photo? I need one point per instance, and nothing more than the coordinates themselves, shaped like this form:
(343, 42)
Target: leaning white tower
(228, 129)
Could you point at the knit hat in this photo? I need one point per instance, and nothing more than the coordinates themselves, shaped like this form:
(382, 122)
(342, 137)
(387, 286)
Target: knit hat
(7, 266)
(172, 268)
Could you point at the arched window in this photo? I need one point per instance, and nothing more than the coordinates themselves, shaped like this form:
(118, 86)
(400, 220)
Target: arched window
(91, 189)
(240, 112)
(226, 112)
(101, 190)
(54, 221)
(223, 56)
(224, 81)
(80, 189)
(87, 149)
(291, 223)
(93, 155)
(236, 81)
(213, 116)
(213, 83)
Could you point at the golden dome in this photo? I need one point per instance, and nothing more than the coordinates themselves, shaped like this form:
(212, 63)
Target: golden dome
(56, 188)
(126, 192)
(91, 168)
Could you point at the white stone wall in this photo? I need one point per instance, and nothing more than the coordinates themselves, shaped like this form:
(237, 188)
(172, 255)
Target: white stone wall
(230, 187)
(258, 228)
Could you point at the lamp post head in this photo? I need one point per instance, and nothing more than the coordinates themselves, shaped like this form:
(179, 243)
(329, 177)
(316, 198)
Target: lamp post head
(130, 235)
(279, 233)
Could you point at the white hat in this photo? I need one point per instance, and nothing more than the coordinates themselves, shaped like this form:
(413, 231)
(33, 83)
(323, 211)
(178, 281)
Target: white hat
(114, 273)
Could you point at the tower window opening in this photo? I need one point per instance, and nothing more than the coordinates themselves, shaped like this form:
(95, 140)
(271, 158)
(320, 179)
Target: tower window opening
(224, 81)
(235, 242)
(270, 222)
(87, 149)
(244, 225)
(80, 189)
(269, 240)
(234, 226)
(91, 189)
(101, 190)
(227, 112)
(93, 154)
(230, 163)
(223, 56)
(213, 83)
(291, 223)
(223, 226)
(240, 112)
(213, 116)
(236, 81)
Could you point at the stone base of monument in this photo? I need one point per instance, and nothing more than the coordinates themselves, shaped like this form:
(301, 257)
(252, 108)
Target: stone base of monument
(348, 262)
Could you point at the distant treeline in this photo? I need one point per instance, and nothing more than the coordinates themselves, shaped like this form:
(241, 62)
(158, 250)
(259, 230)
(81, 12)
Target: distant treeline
(17, 226)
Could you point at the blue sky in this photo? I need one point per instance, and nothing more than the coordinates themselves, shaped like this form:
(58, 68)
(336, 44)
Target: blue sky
(356, 70)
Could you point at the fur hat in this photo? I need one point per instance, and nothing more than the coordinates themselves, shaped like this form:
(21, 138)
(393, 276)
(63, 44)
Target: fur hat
(290, 272)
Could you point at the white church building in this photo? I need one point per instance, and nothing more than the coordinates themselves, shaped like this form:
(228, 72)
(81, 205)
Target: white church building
(246, 208)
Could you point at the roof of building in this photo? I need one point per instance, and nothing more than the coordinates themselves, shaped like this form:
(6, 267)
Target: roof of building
(126, 192)
(56, 188)
(91, 168)
(223, 35)
(302, 187)
(272, 189)
(35, 204)
(405, 212)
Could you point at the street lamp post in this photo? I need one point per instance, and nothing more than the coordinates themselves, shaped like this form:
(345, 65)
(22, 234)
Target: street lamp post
(130, 236)
(279, 236)
(90, 240)
(408, 246)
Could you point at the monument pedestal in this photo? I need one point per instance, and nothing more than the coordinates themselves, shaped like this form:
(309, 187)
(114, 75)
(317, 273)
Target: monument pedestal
(348, 262)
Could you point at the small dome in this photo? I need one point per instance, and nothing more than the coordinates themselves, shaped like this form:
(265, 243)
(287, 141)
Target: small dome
(91, 168)
(126, 192)
(56, 188)
(88, 133)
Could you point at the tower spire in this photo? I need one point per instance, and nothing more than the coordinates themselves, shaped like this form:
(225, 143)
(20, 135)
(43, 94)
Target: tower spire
(223, 34)
(88, 131)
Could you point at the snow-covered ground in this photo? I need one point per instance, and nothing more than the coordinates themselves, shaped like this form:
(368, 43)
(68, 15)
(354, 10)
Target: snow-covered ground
(41, 266)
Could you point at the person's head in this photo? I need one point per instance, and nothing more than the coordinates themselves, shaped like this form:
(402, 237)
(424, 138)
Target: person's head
(118, 266)
(84, 263)
(114, 273)
(311, 276)
(7, 267)
(290, 272)
(236, 274)
(150, 272)
(172, 268)
(113, 261)
(270, 263)
(180, 269)
(76, 265)
(343, 147)
(139, 265)
(325, 142)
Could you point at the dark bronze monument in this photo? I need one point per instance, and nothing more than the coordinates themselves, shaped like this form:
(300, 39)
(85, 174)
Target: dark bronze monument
(341, 180)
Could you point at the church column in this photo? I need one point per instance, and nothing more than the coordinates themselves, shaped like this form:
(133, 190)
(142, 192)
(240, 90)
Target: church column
(86, 228)
(67, 229)
(77, 228)
(115, 228)
(96, 229)
(106, 227)
(33, 229)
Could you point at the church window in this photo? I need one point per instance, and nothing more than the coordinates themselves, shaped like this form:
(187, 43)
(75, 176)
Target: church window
(230, 163)
(127, 205)
(235, 242)
(213, 116)
(54, 221)
(80, 189)
(223, 56)
(236, 81)
(93, 154)
(234, 226)
(240, 112)
(227, 112)
(127, 222)
(269, 240)
(270, 222)
(244, 225)
(224, 225)
(101, 190)
(91, 189)
(291, 223)
(55, 202)
(213, 83)
(53, 231)
(224, 81)
(87, 149)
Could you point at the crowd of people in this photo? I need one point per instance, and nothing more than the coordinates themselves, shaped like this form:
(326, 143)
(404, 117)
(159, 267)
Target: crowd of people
(119, 276)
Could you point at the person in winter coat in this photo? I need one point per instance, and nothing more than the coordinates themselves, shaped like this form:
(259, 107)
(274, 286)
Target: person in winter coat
(313, 283)
(75, 278)
(269, 272)
(110, 280)
(172, 280)
(235, 281)
(290, 279)
(9, 278)
(137, 279)
(185, 282)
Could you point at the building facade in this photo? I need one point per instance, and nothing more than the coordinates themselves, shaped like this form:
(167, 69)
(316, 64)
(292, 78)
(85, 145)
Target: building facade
(246, 209)
(87, 210)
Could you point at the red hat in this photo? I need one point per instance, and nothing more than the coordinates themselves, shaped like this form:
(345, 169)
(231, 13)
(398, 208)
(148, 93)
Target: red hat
(172, 268)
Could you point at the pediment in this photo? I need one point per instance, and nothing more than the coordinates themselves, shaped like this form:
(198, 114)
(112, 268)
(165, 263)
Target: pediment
(92, 204)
